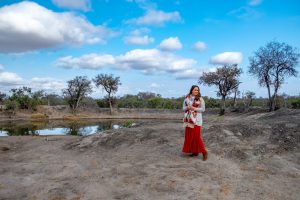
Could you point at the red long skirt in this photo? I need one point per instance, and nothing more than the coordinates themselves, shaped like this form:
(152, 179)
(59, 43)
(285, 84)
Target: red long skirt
(193, 142)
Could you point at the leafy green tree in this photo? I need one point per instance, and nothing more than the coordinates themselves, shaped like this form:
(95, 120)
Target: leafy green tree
(249, 96)
(37, 98)
(211, 102)
(78, 88)
(11, 105)
(147, 95)
(22, 96)
(109, 84)
(155, 102)
(225, 79)
(168, 104)
(295, 103)
(102, 103)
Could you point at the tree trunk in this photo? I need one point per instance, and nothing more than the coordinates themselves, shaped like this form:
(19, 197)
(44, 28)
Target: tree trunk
(274, 100)
(284, 100)
(77, 103)
(250, 102)
(276, 86)
(270, 98)
(110, 104)
(222, 111)
(234, 99)
(73, 109)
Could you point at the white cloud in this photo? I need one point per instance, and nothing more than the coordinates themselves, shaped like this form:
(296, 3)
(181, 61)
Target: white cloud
(154, 85)
(245, 13)
(157, 18)
(137, 37)
(84, 5)
(9, 78)
(27, 26)
(227, 58)
(188, 74)
(140, 31)
(139, 40)
(1, 67)
(148, 61)
(255, 2)
(88, 61)
(199, 46)
(144, 4)
(46, 83)
(153, 61)
(170, 44)
(193, 73)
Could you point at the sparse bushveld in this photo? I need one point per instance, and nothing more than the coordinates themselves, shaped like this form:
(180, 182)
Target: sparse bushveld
(96, 100)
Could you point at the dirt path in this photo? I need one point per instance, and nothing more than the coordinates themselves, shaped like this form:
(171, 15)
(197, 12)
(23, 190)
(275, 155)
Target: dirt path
(251, 156)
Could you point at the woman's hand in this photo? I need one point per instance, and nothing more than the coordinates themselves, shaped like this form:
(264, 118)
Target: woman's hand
(190, 108)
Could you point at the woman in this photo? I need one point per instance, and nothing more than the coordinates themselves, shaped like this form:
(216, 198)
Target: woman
(193, 105)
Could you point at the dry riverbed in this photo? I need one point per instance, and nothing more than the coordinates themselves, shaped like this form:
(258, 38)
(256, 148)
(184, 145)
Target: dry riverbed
(253, 155)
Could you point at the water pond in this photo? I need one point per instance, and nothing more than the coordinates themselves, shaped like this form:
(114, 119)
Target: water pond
(61, 127)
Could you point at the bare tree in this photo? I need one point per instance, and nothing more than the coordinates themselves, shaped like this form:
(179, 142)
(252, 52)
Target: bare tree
(109, 84)
(225, 78)
(77, 89)
(236, 93)
(285, 98)
(271, 64)
(249, 98)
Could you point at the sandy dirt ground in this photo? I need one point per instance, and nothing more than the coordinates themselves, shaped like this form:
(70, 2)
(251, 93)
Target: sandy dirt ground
(252, 155)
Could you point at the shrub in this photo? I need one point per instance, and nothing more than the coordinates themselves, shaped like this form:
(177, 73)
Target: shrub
(127, 123)
(11, 105)
(211, 103)
(102, 103)
(155, 102)
(295, 103)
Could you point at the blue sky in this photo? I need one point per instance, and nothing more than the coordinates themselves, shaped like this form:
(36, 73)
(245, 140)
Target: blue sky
(157, 46)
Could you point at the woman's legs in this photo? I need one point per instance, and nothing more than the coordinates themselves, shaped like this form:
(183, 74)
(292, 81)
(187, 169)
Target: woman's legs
(194, 154)
(198, 143)
(193, 142)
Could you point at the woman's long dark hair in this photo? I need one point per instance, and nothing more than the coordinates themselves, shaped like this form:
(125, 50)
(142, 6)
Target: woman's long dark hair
(191, 91)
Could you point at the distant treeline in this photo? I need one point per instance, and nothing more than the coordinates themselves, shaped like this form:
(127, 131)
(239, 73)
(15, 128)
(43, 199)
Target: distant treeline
(24, 98)
(152, 100)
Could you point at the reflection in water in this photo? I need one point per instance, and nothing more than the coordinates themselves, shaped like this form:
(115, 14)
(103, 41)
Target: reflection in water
(51, 131)
(3, 133)
(22, 131)
(64, 128)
